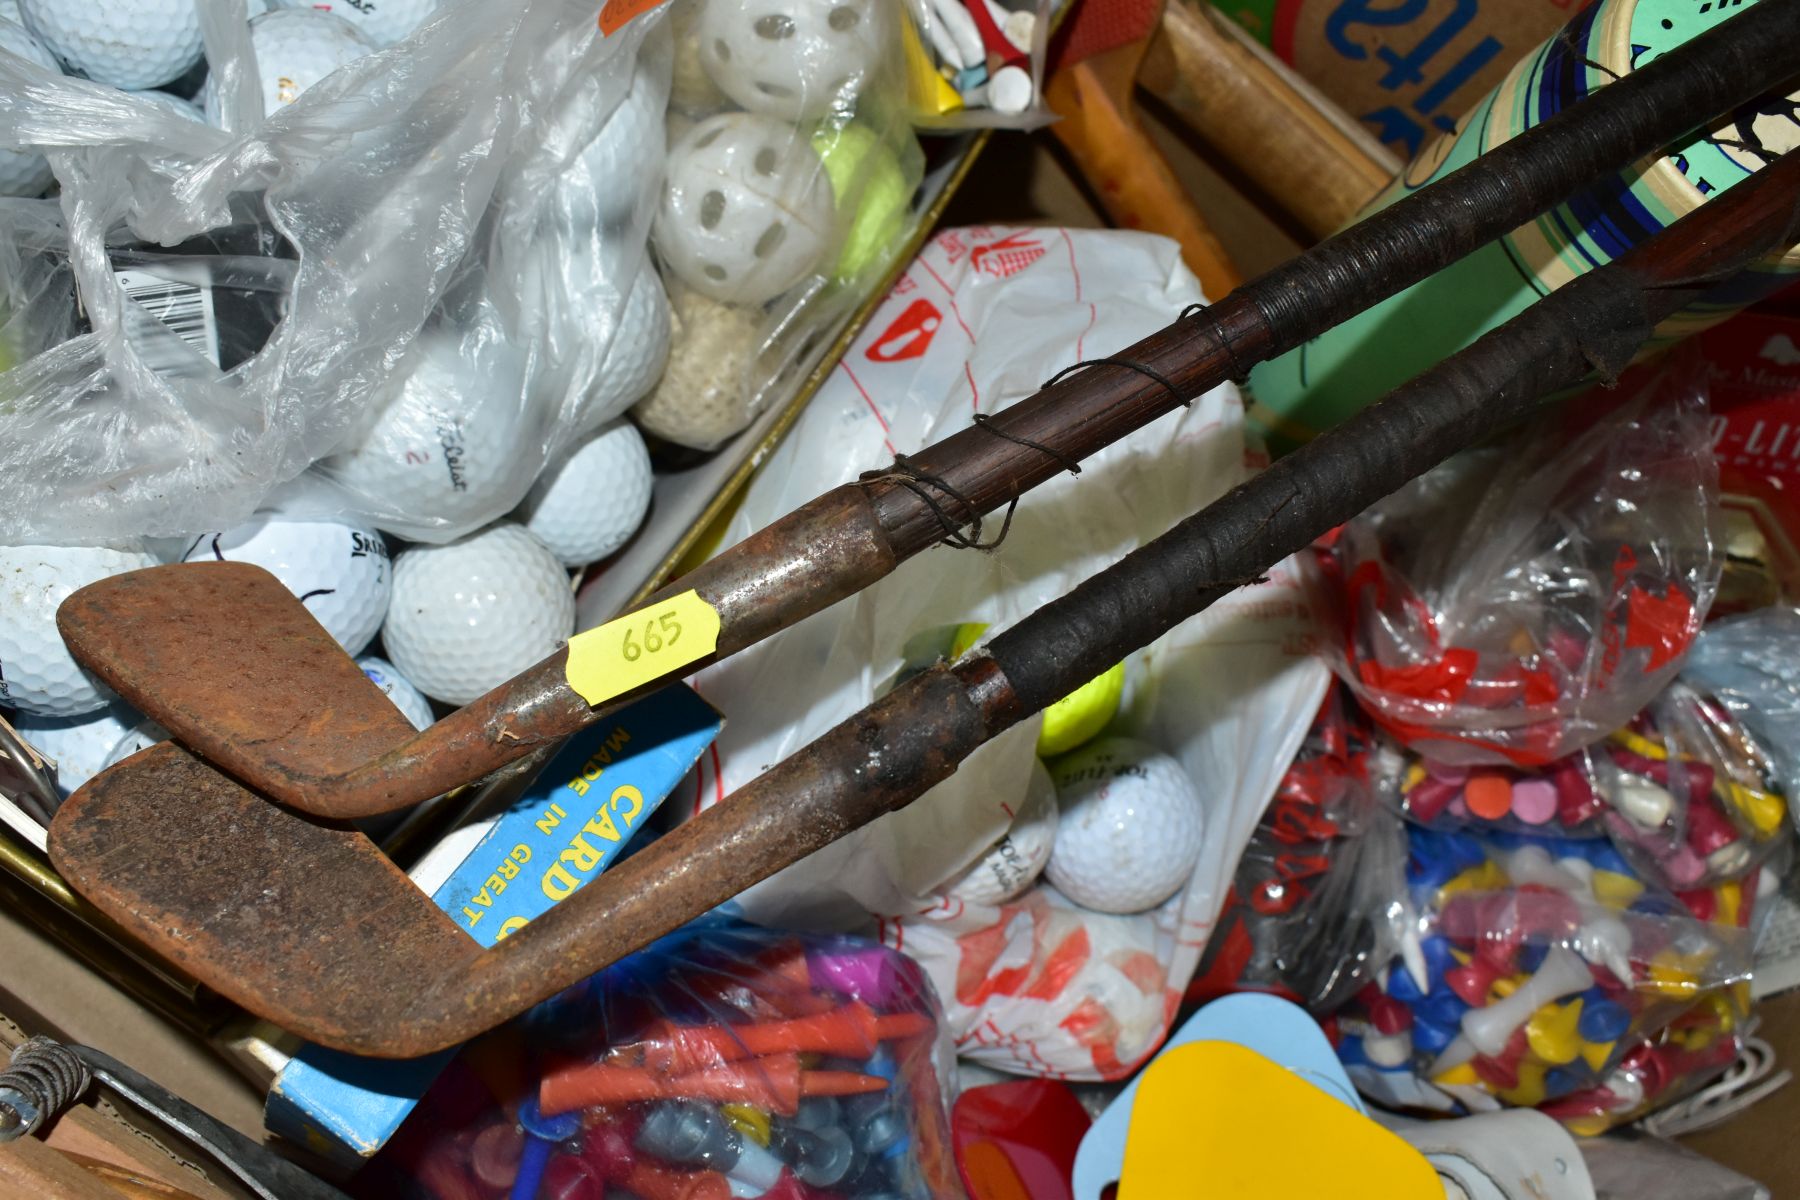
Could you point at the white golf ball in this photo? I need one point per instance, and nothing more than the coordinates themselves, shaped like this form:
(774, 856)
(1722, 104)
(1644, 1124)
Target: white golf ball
(747, 209)
(635, 357)
(603, 182)
(1131, 826)
(794, 59)
(295, 48)
(141, 736)
(468, 616)
(407, 698)
(1018, 858)
(23, 173)
(79, 745)
(444, 441)
(340, 572)
(589, 504)
(37, 673)
(127, 43)
(175, 104)
(383, 22)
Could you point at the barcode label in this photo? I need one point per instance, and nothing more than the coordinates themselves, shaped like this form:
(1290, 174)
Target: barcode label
(184, 309)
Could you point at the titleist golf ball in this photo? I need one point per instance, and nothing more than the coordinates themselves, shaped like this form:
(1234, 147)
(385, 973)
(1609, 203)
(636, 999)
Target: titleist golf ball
(383, 22)
(340, 572)
(127, 43)
(141, 736)
(1015, 861)
(589, 504)
(793, 59)
(37, 673)
(23, 173)
(444, 441)
(635, 357)
(79, 745)
(295, 48)
(407, 698)
(470, 615)
(1131, 826)
(747, 209)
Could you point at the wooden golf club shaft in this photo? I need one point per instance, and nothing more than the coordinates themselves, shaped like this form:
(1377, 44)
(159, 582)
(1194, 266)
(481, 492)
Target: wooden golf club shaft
(891, 752)
(854, 535)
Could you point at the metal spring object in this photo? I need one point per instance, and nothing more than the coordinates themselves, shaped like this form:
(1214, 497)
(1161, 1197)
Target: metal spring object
(43, 1077)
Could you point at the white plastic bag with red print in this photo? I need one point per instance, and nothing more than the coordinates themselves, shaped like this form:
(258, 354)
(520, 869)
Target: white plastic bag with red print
(1524, 600)
(977, 322)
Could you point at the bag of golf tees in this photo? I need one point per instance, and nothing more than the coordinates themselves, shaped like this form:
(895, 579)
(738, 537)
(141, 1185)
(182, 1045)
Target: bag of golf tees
(1031, 979)
(722, 1060)
(413, 247)
(1527, 598)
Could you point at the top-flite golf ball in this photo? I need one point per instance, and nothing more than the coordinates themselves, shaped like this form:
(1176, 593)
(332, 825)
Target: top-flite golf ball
(468, 616)
(747, 208)
(127, 43)
(793, 59)
(37, 673)
(295, 48)
(1015, 861)
(1131, 826)
(588, 505)
(79, 745)
(340, 572)
(22, 172)
(407, 698)
(383, 22)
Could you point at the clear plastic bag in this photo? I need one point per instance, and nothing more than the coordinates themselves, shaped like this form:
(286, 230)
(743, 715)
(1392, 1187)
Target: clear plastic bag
(719, 1061)
(1558, 798)
(1746, 663)
(418, 209)
(1535, 968)
(1524, 600)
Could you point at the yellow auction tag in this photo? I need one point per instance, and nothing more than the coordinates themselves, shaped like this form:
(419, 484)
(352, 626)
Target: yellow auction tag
(630, 651)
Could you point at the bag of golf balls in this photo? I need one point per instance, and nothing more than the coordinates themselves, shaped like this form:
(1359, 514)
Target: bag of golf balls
(1311, 914)
(427, 267)
(788, 193)
(1535, 968)
(1526, 599)
(719, 1061)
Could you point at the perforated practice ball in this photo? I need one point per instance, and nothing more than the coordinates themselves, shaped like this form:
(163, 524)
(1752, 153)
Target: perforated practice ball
(793, 59)
(127, 43)
(23, 173)
(746, 210)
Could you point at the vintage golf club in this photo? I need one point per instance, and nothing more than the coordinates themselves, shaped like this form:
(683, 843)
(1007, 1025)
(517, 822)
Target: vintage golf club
(305, 923)
(241, 674)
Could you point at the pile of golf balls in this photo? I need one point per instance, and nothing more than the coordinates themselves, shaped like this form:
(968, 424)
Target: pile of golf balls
(1131, 826)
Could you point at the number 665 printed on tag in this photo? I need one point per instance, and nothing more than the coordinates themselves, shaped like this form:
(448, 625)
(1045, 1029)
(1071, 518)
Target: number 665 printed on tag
(630, 651)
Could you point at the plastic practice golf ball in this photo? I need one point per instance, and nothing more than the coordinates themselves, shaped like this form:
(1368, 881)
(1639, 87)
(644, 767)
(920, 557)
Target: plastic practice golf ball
(23, 173)
(1131, 826)
(873, 198)
(793, 59)
(142, 736)
(704, 395)
(340, 572)
(127, 43)
(295, 48)
(80, 745)
(383, 22)
(468, 616)
(746, 209)
(589, 504)
(1015, 861)
(407, 698)
(37, 673)
(444, 442)
(1078, 716)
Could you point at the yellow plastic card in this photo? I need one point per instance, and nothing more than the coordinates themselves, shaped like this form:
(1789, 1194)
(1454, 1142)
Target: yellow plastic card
(640, 647)
(1216, 1120)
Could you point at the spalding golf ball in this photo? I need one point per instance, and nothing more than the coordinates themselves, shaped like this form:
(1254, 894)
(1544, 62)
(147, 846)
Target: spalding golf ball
(635, 357)
(295, 48)
(79, 745)
(340, 572)
(468, 616)
(37, 673)
(444, 439)
(383, 22)
(589, 504)
(141, 736)
(746, 209)
(127, 43)
(23, 173)
(1131, 826)
(407, 698)
(1015, 861)
(793, 59)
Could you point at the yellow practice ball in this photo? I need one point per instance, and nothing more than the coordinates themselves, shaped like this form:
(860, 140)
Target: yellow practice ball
(871, 190)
